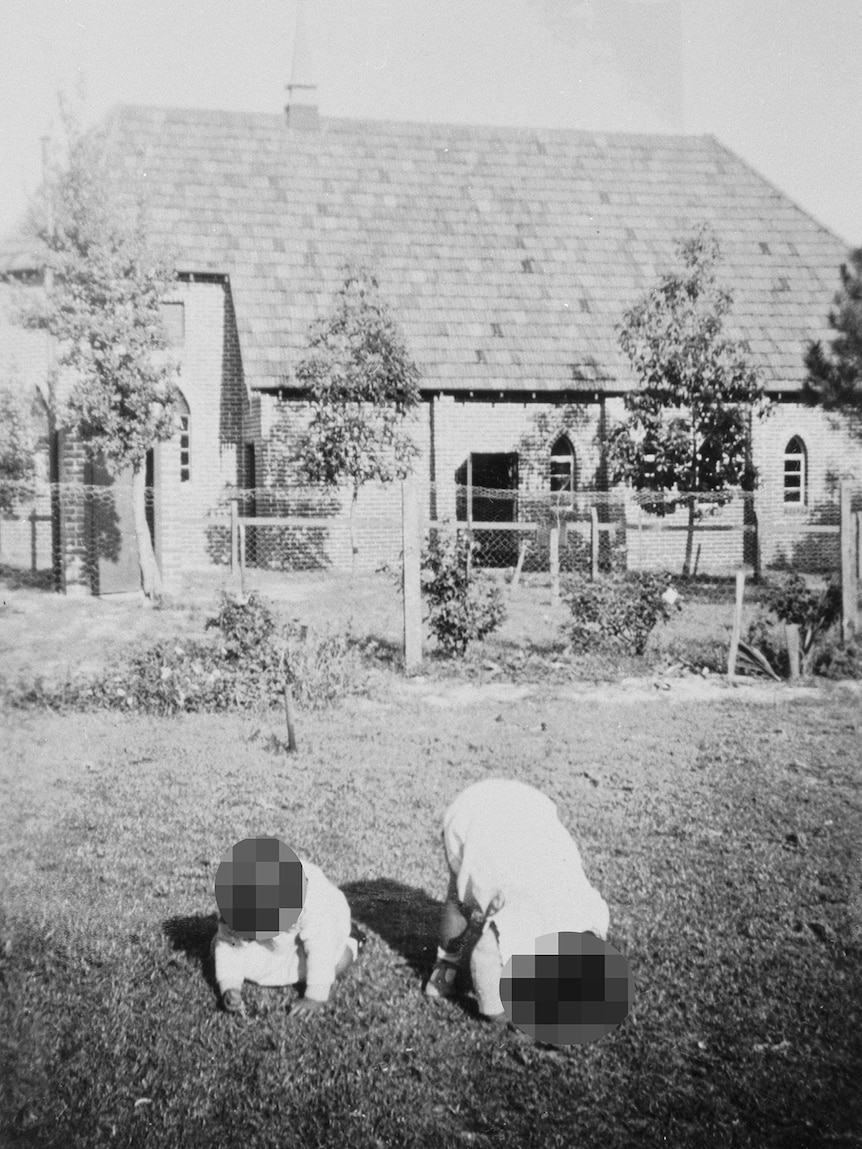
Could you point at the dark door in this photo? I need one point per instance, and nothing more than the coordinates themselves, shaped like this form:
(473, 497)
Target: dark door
(111, 520)
(491, 485)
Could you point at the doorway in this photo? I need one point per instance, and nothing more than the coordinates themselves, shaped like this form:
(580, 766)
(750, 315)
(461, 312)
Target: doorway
(485, 481)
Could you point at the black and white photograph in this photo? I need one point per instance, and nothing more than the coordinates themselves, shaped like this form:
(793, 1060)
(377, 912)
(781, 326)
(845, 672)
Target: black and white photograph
(430, 574)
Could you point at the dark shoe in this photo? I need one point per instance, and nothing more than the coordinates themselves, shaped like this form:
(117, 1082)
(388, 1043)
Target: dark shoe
(441, 983)
(232, 1001)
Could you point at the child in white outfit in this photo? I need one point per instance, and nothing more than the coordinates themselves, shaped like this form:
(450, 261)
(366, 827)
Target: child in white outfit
(317, 949)
(513, 862)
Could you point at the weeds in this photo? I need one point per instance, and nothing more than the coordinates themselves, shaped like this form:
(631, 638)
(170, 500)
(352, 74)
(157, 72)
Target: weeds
(243, 666)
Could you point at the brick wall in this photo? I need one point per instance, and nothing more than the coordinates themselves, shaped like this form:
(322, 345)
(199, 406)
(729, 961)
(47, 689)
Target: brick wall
(281, 490)
(833, 446)
(529, 428)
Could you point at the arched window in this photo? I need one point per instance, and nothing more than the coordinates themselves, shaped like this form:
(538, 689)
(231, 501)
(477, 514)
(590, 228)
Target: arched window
(795, 473)
(563, 475)
(184, 431)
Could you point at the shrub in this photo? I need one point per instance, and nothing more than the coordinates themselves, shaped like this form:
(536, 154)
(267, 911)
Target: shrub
(461, 606)
(839, 660)
(766, 635)
(813, 611)
(245, 624)
(618, 613)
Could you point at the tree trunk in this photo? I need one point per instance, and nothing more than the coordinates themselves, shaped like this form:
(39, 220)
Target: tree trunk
(689, 538)
(151, 578)
(354, 549)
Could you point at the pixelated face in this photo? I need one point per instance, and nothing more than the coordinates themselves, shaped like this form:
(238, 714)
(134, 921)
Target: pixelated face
(573, 989)
(260, 888)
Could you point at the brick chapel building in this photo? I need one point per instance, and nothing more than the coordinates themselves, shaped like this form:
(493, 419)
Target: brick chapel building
(508, 257)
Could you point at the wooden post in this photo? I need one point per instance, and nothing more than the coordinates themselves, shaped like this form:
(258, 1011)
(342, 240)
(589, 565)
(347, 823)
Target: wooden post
(288, 717)
(792, 632)
(411, 576)
(34, 557)
(234, 536)
(242, 529)
(859, 544)
(737, 626)
(522, 554)
(849, 609)
(594, 543)
(554, 563)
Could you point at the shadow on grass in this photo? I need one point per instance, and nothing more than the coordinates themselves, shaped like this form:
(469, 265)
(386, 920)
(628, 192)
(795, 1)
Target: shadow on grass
(193, 935)
(408, 921)
(406, 918)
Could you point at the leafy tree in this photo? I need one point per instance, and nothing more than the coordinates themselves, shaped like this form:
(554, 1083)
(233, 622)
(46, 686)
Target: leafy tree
(18, 438)
(363, 386)
(834, 378)
(104, 283)
(686, 430)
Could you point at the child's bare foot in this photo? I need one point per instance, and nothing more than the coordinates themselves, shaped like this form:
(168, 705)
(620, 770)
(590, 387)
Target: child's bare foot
(232, 1001)
(441, 983)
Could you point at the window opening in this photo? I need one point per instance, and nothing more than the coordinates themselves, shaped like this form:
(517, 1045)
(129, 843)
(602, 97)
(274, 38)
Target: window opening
(184, 429)
(795, 472)
(562, 465)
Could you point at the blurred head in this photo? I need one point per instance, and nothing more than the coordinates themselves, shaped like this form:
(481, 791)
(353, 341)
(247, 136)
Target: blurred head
(260, 888)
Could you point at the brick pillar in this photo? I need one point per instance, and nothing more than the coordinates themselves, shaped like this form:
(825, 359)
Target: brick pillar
(73, 513)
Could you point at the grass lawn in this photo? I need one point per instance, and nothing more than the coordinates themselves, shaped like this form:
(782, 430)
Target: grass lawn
(725, 836)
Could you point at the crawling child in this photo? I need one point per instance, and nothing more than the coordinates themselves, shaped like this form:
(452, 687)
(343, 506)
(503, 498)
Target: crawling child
(512, 862)
(282, 922)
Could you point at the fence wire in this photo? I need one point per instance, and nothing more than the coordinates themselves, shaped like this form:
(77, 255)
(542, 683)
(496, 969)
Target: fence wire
(54, 534)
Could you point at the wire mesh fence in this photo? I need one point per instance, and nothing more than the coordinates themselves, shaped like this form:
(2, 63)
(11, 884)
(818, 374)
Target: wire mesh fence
(69, 533)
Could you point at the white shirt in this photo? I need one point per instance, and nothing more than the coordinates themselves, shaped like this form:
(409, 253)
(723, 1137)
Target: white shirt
(516, 863)
(308, 952)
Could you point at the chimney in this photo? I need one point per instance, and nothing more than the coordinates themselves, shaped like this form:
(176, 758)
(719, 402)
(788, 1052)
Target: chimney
(301, 106)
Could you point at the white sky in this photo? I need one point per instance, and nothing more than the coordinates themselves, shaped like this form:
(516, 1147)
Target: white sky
(778, 81)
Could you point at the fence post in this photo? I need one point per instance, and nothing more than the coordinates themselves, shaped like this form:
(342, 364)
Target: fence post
(554, 564)
(737, 626)
(522, 554)
(594, 543)
(849, 608)
(234, 536)
(34, 558)
(859, 544)
(792, 631)
(411, 576)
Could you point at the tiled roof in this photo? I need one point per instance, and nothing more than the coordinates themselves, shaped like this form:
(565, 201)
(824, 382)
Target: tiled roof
(507, 255)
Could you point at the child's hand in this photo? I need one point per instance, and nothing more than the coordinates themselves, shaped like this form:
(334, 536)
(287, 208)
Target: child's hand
(306, 1005)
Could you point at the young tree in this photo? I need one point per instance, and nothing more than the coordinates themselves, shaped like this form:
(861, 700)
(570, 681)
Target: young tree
(835, 376)
(362, 385)
(104, 283)
(17, 446)
(687, 425)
